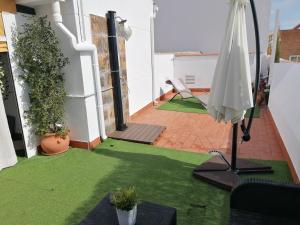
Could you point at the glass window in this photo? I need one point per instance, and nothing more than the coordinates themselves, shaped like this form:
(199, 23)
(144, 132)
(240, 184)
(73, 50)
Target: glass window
(295, 58)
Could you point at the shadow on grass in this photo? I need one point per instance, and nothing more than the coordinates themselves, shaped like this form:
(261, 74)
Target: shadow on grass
(162, 180)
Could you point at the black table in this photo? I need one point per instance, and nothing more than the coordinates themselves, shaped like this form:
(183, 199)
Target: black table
(147, 214)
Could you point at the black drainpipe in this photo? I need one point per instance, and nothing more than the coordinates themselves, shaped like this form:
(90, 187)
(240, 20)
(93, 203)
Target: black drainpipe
(115, 70)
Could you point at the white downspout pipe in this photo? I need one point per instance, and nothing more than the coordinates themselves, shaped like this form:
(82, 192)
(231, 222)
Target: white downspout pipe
(152, 17)
(83, 47)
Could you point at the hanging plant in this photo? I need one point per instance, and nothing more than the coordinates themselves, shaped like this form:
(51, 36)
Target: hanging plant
(41, 61)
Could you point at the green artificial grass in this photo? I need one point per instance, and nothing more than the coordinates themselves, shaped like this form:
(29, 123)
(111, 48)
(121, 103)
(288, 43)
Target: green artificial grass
(188, 105)
(192, 105)
(256, 112)
(62, 189)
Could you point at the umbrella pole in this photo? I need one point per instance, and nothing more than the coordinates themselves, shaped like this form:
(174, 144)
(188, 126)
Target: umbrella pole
(224, 174)
(234, 146)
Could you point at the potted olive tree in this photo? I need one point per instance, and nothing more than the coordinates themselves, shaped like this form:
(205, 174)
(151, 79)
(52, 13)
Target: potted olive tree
(125, 201)
(40, 61)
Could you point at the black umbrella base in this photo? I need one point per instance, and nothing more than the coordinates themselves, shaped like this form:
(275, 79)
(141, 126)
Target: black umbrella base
(216, 172)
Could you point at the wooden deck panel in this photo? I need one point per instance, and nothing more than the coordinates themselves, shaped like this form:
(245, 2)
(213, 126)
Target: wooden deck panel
(140, 133)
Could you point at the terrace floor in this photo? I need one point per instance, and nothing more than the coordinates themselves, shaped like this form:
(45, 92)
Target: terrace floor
(63, 189)
(200, 133)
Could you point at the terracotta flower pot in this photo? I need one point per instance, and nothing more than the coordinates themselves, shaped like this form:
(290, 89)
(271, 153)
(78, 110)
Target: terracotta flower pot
(52, 144)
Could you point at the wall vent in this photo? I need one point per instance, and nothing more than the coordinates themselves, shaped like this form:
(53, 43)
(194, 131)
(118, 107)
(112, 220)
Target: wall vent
(190, 79)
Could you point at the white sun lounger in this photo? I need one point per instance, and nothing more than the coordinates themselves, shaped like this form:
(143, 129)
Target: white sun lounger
(185, 92)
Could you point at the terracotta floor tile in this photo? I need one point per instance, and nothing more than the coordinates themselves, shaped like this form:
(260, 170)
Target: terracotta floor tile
(200, 133)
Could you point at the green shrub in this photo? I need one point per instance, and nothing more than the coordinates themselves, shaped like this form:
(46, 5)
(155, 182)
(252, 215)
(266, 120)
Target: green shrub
(2, 81)
(4, 87)
(125, 198)
(41, 61)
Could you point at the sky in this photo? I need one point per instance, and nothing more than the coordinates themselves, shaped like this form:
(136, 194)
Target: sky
(289, 13)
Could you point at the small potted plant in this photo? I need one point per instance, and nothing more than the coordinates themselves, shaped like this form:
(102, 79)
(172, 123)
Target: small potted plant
(267, 93)
(125, 201)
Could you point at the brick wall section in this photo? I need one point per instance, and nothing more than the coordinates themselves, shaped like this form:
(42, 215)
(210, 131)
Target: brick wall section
(290, 43)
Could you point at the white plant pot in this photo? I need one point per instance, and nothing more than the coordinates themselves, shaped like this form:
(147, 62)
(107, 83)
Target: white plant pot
(127, 217)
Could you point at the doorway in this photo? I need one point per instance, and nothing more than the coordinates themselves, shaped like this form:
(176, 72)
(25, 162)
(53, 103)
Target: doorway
(11, 107)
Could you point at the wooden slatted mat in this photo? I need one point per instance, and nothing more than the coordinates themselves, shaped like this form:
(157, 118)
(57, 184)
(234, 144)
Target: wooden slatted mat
(140, 133)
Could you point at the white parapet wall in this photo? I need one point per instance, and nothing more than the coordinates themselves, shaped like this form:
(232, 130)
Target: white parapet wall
(200, 67)
(285, 108)
(164, 70)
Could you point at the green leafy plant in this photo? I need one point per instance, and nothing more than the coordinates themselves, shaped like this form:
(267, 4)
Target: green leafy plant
(4, 87)
(41, 61)
(125, 198)
(2, 76)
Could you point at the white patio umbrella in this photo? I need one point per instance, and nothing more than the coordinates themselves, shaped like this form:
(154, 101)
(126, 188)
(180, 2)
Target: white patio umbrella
(231, 96)
(231, 92)
(7, 152)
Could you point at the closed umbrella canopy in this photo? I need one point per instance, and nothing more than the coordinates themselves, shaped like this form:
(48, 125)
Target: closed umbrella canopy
(231, 92)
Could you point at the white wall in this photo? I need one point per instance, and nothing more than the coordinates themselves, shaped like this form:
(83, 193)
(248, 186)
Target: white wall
(138, 48)
(80, 111)
(80, 106)
(164, 70)
(202, 67)
(199, 25)
(285, 108)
